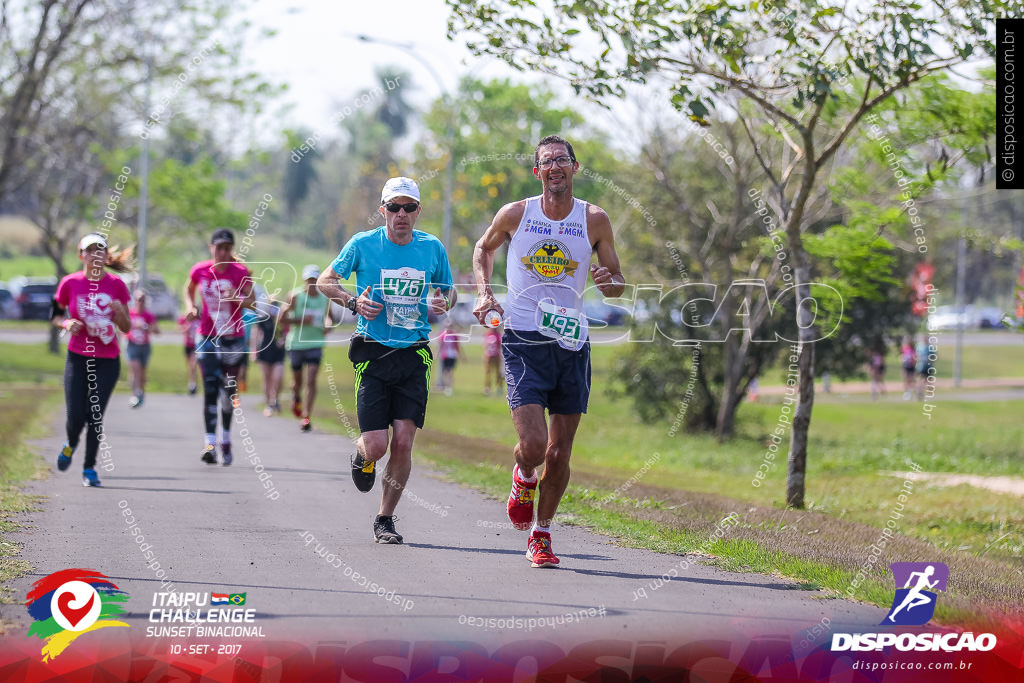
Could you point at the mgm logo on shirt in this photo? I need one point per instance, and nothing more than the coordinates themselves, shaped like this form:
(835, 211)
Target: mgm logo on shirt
(550, 260)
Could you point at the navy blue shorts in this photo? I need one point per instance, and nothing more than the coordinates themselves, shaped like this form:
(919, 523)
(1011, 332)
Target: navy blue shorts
(540, 372)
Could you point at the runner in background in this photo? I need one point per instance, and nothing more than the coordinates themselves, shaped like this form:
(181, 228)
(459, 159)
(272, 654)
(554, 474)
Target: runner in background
(91, 305)
(307, 311)
(225, 287)
(189, 329)
(143, 324)
(267, 345)
(494, 368)
(449, 347)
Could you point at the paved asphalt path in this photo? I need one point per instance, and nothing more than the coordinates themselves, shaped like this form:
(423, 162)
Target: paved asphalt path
(213, 529)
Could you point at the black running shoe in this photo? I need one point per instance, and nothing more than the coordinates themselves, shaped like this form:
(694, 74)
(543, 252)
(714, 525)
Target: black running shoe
(384, 530)
(209, 455)
(225, 452)
(363, 473)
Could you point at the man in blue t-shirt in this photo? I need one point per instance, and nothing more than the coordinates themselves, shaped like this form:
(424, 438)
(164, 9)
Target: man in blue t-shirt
(395, 267)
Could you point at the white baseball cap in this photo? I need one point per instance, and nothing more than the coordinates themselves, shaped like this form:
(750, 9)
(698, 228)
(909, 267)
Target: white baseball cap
(400, 187)
(91, 239)
(312, 270)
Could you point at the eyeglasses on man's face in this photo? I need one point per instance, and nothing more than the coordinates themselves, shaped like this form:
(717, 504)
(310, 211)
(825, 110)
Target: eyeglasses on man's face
(562, 161)
(394, 207)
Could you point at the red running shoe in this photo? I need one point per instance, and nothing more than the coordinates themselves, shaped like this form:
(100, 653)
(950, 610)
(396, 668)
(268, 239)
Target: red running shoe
(296, 407)
(538, 550)
(520, 501)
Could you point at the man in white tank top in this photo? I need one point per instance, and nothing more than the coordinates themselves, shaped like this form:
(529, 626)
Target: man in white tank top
(547, 355)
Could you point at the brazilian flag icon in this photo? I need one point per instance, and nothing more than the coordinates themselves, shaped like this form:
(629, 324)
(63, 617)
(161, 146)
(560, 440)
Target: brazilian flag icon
(237, 598)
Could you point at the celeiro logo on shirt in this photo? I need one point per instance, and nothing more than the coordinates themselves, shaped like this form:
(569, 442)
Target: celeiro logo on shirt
(914, 605)
(550, 260)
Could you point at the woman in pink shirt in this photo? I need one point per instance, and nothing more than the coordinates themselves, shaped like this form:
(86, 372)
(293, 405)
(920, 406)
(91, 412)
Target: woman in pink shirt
(224, 286)
(143, 324)
(91, 305)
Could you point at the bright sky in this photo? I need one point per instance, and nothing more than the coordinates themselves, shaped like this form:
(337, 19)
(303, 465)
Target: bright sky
(316, 53)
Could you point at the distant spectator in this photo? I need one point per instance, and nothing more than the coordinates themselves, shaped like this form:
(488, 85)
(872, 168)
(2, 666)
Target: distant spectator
(908, 360)
(925, 366)
(876, 368)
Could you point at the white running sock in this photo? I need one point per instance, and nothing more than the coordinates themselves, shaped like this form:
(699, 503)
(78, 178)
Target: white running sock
(211, 439)
(225, 435)
(545, 529)
(528, 480)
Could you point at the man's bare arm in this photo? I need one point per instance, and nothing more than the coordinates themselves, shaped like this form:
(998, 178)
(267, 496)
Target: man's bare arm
(607, 274)
(501, 229)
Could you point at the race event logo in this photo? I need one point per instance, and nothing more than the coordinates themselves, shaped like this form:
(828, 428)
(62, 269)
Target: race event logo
(70, 603)
(550, 260)
(914, 603)
(202, 615)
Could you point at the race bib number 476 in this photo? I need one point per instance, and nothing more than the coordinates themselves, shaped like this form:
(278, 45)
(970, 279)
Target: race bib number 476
(402, 285)
(402, 289)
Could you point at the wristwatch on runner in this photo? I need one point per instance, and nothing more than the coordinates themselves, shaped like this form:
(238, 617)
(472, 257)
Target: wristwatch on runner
(351, 304)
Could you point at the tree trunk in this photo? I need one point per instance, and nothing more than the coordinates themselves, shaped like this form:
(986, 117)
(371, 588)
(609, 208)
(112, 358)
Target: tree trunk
(54, 343)
(733, 363)
(797, 464)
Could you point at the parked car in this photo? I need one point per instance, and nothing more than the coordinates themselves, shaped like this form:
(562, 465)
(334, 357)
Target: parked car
(160, 300)
(602, 314)
(33, 296)
(948, 318)
(991, 318)
(9, 308)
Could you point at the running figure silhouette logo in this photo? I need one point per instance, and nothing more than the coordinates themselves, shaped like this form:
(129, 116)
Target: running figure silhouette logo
(914, 603)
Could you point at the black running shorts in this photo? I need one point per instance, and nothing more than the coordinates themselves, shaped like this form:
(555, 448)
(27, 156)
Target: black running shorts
(391, 384)
(539, 371)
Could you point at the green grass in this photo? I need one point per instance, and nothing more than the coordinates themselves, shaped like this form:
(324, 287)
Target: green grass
(979, 362)
(22, 408)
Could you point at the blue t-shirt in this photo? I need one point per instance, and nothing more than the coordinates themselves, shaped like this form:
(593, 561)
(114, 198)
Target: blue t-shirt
(400, 277)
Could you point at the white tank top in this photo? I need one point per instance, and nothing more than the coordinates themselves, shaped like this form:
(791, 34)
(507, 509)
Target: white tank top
(547, 270)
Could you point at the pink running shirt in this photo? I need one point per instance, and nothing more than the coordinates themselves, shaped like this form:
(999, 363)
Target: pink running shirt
(221, 294)
(142, 322)
(89, 301)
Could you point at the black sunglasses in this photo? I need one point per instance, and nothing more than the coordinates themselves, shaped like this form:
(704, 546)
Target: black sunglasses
(395, 208)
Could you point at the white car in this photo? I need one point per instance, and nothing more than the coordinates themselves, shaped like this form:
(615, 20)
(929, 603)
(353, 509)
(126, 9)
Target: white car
(160, 300)
(947, 318)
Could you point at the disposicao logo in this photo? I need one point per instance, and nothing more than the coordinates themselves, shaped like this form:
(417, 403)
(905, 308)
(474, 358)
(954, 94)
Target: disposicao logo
(69, 603)
(914, 605)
